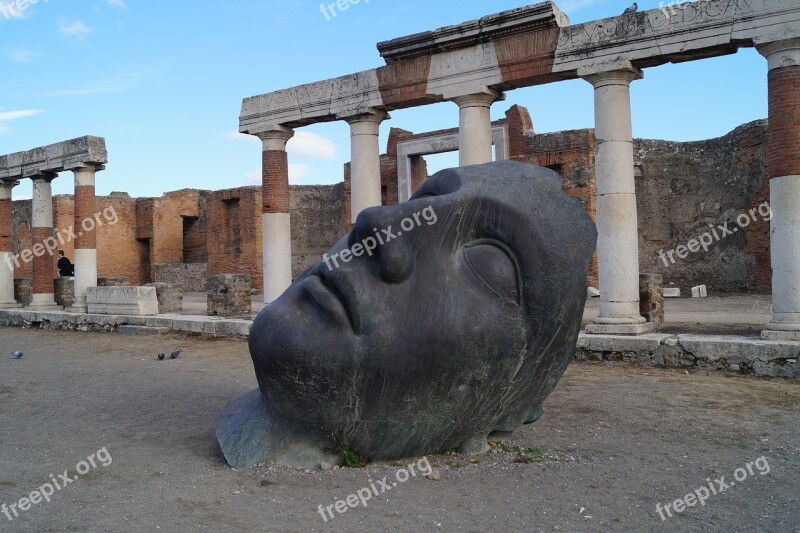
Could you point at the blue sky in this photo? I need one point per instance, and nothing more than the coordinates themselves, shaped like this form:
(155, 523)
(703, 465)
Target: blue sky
(163, 83)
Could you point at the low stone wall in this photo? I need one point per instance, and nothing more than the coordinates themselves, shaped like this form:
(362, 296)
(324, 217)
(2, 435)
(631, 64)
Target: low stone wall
(743, 355)
(229, 295)
(185, 277)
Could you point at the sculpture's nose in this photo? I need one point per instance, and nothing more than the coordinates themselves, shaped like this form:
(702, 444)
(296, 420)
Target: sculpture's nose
(393, 251)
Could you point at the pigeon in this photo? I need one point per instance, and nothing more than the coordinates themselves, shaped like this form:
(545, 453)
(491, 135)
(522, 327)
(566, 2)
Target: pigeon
(17, 355)
(633, 9)
(174, 355)
(161, 356)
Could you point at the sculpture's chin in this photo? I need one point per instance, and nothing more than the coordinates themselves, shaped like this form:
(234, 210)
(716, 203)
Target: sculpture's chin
(249, 434)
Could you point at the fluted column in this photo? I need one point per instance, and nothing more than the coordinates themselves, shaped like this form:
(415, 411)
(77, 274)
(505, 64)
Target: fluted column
(617, 224)
(783, 171)
(85, 241)
(475, 127)
(44, 243)
(365, 166)
(6, 246)
(276, 228)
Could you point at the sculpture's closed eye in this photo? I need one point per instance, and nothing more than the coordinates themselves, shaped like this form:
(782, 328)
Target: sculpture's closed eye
(496, 266)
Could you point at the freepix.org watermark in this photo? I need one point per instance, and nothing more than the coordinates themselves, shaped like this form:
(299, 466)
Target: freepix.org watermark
(718, 486)
(375, 489)
(56, 483)
(330, 10)
(370, 244)
(716, 234)
(15, 9)
(107, 216)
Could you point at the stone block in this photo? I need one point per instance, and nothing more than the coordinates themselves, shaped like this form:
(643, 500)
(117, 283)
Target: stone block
(651, 297)
(137, 301)
(23, 291)
(699, 292)
(64, 291)
(141, 330)
(672, 292)
(591, 292)
(170, 299)
(229, 295)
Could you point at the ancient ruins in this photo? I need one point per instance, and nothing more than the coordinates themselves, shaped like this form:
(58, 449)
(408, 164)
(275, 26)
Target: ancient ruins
(642, 193)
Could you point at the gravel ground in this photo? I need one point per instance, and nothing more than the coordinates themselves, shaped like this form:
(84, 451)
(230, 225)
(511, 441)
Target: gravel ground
(614, 442)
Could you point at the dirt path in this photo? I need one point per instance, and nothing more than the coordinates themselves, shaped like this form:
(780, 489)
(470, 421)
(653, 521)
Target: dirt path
(614, 443)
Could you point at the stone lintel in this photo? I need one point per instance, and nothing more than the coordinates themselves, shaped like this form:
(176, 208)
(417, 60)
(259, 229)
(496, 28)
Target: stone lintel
(54, 158)
(541, 16)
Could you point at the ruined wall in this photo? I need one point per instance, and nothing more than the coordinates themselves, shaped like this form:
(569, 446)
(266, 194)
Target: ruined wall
(234, 233)
(317, 218)
(684, 188)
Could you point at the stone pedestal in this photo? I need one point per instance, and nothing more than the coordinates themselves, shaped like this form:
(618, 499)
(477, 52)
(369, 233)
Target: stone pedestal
(64, 291)
(23, 291)
(136, 301)
(651, 298)
(170, 299)
(229, 295)
(617, 225)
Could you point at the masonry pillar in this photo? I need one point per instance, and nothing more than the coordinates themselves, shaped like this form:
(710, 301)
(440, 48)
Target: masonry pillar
(617, 225)
(85, 241)
(6, 246)
(44, 243)
(783, 171)
(276, 229)
(475, 127)
(365, 166)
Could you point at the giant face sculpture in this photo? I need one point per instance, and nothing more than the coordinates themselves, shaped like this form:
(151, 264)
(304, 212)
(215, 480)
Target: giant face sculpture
(433, 324)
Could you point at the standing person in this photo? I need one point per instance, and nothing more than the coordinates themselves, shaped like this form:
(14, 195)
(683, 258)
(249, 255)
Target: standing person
(65, 268)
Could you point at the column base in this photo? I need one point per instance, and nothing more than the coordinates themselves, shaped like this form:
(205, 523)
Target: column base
(78, 310)
(620, 329)
(10, 305)
(44, 302)
(780, 334)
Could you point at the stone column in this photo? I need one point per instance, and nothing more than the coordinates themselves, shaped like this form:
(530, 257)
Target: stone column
(783, 171)
(44, 243)
(365, 166)
(617, 225)
(475, 127)
(6, 246)
(277, 234)
(85, 241)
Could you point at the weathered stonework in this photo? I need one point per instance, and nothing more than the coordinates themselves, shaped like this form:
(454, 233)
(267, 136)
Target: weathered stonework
(651, 298)
(184, 277)
(170, 299)
(23, 291)
(137, 301)
(64, 291)
(229, 295)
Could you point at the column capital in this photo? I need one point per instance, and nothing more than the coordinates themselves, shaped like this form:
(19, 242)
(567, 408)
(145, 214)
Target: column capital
(79, 167)
(5, 188)
(616, 73)
(779, 54)
(274, 138)
(43, 176)
(484, 98)
(373, 115)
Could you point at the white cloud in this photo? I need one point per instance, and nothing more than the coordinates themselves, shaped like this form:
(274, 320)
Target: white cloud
(20, 55)
(74, 28)
(119, 4)
(304, 144)
(8, 116)
(298, 171)
(307, 145)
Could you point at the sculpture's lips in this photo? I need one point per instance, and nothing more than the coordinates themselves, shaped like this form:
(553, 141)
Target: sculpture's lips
(327, 297)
